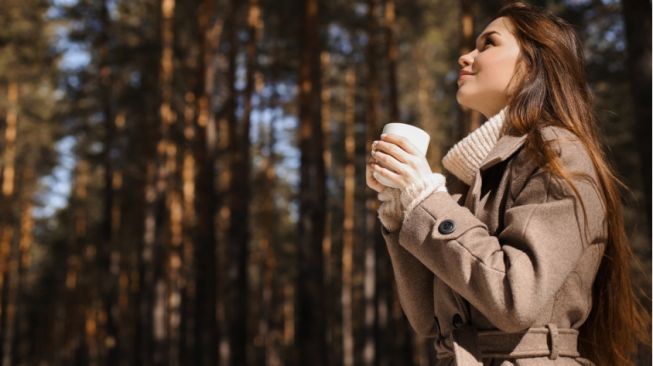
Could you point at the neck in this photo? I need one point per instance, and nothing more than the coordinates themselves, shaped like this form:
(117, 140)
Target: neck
(493, 112)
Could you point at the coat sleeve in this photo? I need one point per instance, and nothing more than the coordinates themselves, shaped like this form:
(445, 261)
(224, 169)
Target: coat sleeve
(414, 285)
(510, 275)
(415, 281)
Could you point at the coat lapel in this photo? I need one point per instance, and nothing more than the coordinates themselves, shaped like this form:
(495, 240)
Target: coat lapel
(503, 149)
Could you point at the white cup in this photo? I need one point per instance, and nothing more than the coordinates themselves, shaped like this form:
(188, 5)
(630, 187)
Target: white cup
(415, 135)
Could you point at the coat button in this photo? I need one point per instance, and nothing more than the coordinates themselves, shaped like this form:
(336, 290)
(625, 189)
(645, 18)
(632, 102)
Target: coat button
(457, 321)
(446, 227)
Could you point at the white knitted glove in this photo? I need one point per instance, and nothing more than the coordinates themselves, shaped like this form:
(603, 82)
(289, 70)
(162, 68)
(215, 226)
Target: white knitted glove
(390, 211)
(397, 203)
(413, 194)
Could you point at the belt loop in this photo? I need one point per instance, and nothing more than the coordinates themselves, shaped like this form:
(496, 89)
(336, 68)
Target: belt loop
(553, 332)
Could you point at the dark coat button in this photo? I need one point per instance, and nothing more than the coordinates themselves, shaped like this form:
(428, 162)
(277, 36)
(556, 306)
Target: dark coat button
(446, 227)
(457, 321)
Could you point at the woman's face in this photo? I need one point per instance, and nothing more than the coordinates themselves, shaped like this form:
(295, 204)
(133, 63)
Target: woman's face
(487, 70)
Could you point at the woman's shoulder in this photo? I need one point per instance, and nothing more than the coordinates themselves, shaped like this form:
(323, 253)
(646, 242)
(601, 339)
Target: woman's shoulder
(571, 152)
(565, 144)
(570, 149)
(560, 137)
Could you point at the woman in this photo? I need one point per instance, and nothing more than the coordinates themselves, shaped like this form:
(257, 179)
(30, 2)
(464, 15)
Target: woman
(511, 258)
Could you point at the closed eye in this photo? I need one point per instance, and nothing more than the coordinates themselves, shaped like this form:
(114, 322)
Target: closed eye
(488, 41)
(486, 37)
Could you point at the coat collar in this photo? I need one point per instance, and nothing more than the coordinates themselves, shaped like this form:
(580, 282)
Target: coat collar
(504, 148)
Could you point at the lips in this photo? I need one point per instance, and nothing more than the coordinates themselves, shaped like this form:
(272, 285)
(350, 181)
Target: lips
(464, 72)
(462, 75)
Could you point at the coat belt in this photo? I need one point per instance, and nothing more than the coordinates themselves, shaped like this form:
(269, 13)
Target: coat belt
(470, 346)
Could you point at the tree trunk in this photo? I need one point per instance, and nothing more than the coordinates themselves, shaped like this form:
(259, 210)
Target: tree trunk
(426, 87)
(166, 156)
(8, 251)
(146, 271)
(237, 239)
(206, 327)
(148, 247)
(25, 238)
(391, 58)
(275, 277)
(348, 222)
(108, 255)
(226, 137)
(80, 326)
(330, 246)
(310, 335)
(268, 351)
(637, 20)
(373, 239)
(174, 264)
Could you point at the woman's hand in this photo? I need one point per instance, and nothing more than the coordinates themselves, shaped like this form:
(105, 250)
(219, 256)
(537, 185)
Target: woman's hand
(369, 178)
(398, 161)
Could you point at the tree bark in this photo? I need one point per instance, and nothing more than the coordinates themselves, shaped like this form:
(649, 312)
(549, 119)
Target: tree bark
(391, 58)
(348, 222)
(373, 239)
(25, 238)
(107, 278)
(82, 346)
(148, 247)
(166, 156)
(274, 277)
(327, 242)
(310, 335)
(239, 192)
(206, 327)
(8, 251)
(637, 20)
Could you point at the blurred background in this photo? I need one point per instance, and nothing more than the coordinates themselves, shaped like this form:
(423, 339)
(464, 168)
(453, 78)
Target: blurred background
(183, 182)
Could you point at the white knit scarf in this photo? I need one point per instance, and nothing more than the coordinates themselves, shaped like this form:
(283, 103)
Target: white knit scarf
(465, 157)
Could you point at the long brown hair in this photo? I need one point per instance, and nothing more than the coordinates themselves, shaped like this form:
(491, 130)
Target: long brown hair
(550, 88)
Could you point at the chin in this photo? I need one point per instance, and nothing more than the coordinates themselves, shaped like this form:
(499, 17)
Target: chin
(463, 100)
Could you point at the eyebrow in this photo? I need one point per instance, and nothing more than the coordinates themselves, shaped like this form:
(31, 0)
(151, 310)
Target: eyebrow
(485, 35)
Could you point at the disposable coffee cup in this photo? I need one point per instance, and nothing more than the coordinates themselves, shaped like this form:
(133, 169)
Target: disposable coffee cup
(415, 135)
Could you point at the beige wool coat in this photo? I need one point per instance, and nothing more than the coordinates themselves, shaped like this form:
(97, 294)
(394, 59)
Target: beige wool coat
(500, 273)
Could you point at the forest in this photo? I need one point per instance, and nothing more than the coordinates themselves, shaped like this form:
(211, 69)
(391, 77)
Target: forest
(183, 182)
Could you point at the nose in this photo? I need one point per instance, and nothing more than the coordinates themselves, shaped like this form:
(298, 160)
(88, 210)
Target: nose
(467, 59)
